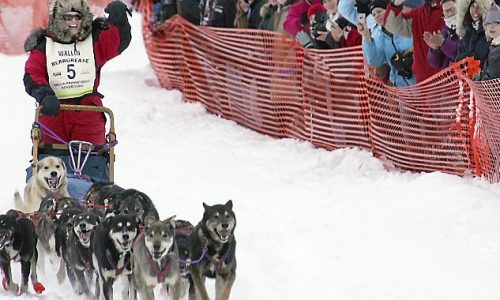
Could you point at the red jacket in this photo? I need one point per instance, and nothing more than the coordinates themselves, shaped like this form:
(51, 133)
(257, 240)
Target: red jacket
(106, 43)
(72, 125)
(425, 18)
(292, 23)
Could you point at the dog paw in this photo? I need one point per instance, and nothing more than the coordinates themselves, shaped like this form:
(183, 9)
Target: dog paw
(12, 287)
(23, 289)
(61, 273)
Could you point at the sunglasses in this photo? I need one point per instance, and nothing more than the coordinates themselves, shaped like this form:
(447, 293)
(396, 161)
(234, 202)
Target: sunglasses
(71, 17)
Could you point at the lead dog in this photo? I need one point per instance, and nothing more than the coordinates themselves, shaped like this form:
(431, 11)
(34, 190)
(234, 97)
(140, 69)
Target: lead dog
(77, 254)
(213, 249)
(49, 178)
(111, 244)
(156, 259)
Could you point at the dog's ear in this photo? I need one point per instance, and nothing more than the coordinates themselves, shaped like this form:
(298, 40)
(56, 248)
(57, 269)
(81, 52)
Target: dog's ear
(229, 204)
(39, 166)
(149, 220)
(170, 221)
(62, 164)
(205, 205)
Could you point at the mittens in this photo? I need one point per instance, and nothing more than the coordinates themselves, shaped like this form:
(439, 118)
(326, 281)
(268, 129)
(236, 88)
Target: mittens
(51, 105)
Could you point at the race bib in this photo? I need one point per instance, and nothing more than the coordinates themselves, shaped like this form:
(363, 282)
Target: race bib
(71, 68)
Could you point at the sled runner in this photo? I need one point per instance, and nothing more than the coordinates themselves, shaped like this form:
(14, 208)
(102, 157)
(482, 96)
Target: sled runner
(85, 163)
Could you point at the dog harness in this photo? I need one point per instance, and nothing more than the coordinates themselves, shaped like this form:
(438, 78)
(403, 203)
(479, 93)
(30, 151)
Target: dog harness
(118, 271)
(219, 262)
(161, 274)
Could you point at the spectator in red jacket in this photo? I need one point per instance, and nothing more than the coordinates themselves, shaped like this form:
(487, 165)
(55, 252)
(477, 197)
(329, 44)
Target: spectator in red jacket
(413, 24)
(64, 66)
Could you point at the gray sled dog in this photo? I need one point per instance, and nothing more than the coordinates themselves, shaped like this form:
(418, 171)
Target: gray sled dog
(50, 178)
(156, 259)
(213, 241)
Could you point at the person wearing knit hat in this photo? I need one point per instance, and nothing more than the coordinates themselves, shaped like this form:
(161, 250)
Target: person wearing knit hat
(491, 68)
(492, 16)
(65, 62)
(379, 3)
(315, 9)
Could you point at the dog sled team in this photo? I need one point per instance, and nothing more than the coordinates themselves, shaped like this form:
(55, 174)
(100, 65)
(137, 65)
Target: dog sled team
(113, 232)
(98, 232)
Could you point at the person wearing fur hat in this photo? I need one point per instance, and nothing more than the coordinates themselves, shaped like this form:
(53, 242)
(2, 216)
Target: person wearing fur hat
(491, 68)
(64, 66)
(470, 29)
(443, 45)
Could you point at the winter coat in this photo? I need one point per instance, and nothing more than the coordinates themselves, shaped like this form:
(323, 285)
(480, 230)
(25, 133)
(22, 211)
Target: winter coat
(191, 11)
(474, 43)
(292, 23)
(463, 14)
(222, 13)
(254, 18)
(382, 48)
(491, 68)
(273, 16)
(447, 54)
(267, 14)
(281, 15)
(106, 44)
(414, 24)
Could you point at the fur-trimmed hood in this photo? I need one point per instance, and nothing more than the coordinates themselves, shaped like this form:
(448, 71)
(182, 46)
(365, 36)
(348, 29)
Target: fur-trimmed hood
(267, 10)
(57, 26)
(34, 38)
(463, 11)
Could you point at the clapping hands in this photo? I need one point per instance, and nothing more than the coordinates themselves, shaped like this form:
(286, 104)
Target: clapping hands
(434, 40)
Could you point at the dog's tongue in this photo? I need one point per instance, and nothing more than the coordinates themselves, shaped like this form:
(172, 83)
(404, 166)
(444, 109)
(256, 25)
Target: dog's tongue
(157, 254)
(224, 234)
(86, 236)
(53, 182)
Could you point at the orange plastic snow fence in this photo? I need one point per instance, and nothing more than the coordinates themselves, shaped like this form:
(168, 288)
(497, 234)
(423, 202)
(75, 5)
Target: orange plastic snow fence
(19, 17)
(272, 85)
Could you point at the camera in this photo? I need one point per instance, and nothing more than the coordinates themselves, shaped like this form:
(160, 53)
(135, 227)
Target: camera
(402, 62)
(319, 23)
(363, 6)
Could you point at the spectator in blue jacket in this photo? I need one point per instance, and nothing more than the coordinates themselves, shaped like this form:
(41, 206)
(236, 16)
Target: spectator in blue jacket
(380, 46)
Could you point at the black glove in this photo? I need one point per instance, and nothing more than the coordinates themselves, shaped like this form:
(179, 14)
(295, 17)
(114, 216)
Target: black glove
(303, 18)
(100, 23)
(117, 9)
(51, 105)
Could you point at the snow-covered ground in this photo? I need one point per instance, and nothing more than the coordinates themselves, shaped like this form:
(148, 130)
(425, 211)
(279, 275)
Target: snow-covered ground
(312, 224)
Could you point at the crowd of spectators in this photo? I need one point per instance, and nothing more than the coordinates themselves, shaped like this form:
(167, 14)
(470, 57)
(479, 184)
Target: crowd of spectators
(405, 41)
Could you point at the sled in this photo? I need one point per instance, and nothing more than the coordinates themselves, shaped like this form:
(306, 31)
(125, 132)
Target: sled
(85, 163)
